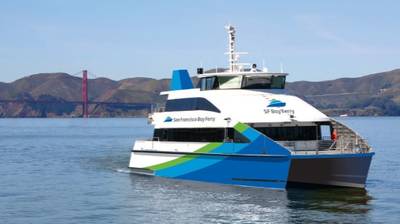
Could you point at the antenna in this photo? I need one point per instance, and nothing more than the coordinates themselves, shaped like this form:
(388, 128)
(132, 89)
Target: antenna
(231, 47)
(281, 67)
(233, 56)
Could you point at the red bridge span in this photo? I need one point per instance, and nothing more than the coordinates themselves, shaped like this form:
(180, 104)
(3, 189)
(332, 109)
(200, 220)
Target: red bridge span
(85, 102)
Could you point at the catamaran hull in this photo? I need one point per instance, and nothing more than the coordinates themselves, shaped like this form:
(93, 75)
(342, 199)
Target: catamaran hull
(243, 170)
(261, 162)
(345, 170)
(350, 170)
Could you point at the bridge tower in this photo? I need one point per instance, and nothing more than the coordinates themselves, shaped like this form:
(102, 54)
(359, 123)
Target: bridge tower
(85, 111)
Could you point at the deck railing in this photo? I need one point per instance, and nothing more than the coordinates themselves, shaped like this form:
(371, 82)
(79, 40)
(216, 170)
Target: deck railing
(326, 147)
(348, 139)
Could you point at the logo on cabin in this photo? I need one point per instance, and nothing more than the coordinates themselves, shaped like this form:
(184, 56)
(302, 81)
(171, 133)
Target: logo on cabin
(168, 119)
(276, 103)
(189, 119)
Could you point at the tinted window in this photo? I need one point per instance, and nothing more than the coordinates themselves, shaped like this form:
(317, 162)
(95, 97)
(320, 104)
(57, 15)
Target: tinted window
(278, 82)
(186, 104)
(208, 83)
(198, 135)
(264, 82)
(297, 133)
(254, 82)
(249, 82)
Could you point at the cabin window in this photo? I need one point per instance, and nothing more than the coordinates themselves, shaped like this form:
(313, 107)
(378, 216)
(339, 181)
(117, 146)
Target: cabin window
(244, 82)
(325, 132)
(221, 82)
(186, 104)
(278, 82)
(255, 82)
(294, 133)
(208, 83)
(229, 82)
(264, 82)
(198, 135)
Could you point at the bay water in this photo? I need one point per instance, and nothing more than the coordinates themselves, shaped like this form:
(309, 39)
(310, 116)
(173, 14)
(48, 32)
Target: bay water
(75, 171)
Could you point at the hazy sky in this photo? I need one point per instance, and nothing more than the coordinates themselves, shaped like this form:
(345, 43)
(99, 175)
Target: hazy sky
(315, 40)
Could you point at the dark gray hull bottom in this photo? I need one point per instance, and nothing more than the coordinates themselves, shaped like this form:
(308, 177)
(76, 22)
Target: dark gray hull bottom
(340, 171)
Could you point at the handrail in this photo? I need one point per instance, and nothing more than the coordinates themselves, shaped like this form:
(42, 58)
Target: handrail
(339, 146)
(357, 140)
(331, 147)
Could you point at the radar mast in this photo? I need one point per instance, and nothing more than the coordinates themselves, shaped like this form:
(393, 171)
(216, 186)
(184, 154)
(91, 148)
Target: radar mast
(233, 56)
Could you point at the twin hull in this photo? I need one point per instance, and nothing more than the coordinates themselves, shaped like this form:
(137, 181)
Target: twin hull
(260, 163)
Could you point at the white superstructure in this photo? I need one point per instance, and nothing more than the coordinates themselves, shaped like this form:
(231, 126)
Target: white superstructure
(240, 105)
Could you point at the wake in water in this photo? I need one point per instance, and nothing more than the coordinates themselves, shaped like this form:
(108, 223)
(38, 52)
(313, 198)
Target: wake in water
(124, 170)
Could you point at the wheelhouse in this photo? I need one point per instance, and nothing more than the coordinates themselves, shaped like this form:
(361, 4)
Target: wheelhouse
(252, 80)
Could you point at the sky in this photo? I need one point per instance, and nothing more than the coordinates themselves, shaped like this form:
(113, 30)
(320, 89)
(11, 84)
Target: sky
(313, 40)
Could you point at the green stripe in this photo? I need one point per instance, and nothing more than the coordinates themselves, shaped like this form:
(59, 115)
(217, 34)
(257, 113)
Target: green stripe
(180, 160)
(240, 127)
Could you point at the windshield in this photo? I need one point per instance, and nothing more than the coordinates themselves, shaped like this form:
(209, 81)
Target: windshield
(242, 82)
(221, 82)
(229, 82)
(264, 82)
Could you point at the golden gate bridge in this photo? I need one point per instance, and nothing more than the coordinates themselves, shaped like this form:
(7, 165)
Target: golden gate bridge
(85, 102)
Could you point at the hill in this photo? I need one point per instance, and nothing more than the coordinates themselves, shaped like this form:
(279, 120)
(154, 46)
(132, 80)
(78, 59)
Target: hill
(375, 94)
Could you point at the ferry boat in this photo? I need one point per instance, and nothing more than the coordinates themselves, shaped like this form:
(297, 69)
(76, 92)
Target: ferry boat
(238, 127)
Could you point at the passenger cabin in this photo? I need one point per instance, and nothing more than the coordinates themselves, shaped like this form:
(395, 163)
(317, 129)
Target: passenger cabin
(311, 135)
